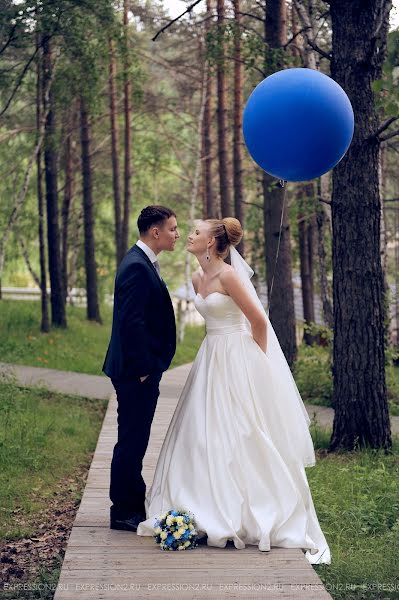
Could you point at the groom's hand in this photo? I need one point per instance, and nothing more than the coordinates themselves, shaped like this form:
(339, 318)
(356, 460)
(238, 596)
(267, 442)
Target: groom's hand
(143, 378)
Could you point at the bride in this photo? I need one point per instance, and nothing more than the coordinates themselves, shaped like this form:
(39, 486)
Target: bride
(238, 443)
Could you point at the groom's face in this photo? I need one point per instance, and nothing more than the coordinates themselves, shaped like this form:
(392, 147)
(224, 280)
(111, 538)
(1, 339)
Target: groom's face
(168, 234)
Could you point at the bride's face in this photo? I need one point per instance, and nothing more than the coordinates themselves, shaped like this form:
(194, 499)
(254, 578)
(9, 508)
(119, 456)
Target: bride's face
(199, 238)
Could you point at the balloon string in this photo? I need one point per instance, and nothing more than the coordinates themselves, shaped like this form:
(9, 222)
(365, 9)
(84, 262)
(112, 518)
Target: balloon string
(278, 245)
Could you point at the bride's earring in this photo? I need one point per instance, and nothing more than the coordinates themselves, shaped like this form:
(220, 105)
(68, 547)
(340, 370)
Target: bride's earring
(207, 253)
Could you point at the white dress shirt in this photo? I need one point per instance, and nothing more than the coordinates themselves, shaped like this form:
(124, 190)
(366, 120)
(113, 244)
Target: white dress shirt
(150, 253)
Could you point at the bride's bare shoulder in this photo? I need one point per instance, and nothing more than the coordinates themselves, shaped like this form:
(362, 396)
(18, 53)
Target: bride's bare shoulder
(226, 276)
(226, 273)
(195, 278)
(227, 268)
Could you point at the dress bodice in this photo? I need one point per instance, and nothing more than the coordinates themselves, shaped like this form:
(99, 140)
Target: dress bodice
(221, 313)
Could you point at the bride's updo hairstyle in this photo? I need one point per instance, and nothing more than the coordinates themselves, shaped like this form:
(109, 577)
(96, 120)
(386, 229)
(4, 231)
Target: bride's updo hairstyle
(226, 231)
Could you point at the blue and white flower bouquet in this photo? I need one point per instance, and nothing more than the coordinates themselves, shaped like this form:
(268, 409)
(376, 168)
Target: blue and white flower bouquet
(175, 530)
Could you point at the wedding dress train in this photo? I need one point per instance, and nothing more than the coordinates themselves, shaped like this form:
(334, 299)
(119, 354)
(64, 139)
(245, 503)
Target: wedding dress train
(235, 451)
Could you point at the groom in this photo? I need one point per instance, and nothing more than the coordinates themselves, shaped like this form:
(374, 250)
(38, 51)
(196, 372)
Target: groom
(142, 345)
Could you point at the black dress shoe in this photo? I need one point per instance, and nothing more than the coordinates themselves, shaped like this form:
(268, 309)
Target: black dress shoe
(129, 524)
(202, 540)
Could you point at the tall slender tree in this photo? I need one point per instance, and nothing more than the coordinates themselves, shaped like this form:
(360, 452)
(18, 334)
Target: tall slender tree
(282, 310)
(305, 199)
(58, 312)
(225, 196)
(127, 91)
(93, 310)
(69, 193)
(305, 192)
(115, 152)
(237, 121)
(45, 323)
(209, 200)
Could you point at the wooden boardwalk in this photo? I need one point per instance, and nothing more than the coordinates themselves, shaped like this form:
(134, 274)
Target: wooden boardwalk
(101, 563)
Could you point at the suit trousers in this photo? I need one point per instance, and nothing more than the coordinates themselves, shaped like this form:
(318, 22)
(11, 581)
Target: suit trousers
(136, 407)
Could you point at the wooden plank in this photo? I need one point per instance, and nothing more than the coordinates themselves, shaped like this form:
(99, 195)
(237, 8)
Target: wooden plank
(195, 591)
(101, 563)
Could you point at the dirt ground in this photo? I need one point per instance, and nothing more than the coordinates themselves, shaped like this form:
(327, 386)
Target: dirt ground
(23, 560)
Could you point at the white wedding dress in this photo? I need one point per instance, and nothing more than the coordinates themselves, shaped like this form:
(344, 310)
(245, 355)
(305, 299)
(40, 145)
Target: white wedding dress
(231, 455)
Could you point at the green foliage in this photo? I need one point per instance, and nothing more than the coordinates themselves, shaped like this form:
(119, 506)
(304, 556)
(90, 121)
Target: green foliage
(322, 333)
(386, 88)
(312, 372)
(392, 378)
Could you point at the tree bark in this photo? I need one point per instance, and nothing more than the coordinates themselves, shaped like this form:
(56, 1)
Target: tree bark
(281, 294)
(74, 252)
(360, 393)
(128, 139)
(45, 322)
(396, 329)
(305, 198)
(115, 153)
(58, 314)
(194, 197)
(209, 205)
(69, 192)
(93, 311)
(237, 140)
(323, 220)
(225, 200)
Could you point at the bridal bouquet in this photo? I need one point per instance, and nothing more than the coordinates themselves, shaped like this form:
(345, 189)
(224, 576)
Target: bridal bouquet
(175, 530)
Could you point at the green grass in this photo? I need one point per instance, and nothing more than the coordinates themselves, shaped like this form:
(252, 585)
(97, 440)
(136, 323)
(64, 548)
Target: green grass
(44, 436)
(80, 348)
(356, 496)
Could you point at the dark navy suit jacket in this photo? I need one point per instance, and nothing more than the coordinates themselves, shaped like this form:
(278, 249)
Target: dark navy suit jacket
(143, 338)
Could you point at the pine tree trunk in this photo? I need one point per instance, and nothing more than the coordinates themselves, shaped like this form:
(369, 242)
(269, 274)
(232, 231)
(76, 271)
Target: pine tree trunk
(69, 192)
(360, 394)
(225, 201)
(306, 201)
(58, 314)
(237, 141)
(74, 252)
(45, 323)
(115, 153)
(128, 140)
(383, 244)
(396, 328)
(281, 297)
(194, 195)
(279, 274)
(323, 219)
(93, 311)
(209, 205)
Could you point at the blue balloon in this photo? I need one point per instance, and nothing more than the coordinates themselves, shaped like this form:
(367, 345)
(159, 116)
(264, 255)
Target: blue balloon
(298, 124)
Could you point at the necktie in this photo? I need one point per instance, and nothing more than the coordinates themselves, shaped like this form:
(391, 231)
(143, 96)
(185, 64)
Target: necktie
(156, 265)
